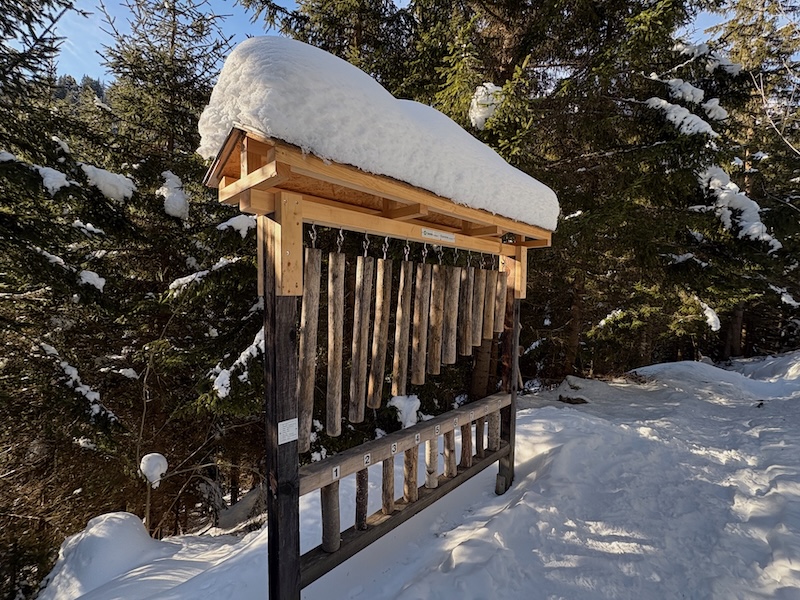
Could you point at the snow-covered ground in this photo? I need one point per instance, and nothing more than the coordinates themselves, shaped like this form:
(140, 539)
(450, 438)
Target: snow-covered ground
(685, 484)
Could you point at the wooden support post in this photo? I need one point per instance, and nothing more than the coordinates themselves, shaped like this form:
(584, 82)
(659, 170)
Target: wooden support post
(465, 312)
(450, 325)
(508, 415)
(466, 445)
(478, 299)
(450, 454)
(480, 446)
(380, 335)
(280, 379)
(401, 328)
(422, 309)
(289, 265)
(361, 320)
(362, 498)
(436, 320)
(489, 309)
(493, 435)
(387, 485)
(432, 463)
(331, 520)
(333, 417)
(410, 469)
(309, 318)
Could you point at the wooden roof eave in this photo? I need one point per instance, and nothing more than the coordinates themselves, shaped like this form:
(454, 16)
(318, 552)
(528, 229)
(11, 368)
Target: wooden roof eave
(250, 168)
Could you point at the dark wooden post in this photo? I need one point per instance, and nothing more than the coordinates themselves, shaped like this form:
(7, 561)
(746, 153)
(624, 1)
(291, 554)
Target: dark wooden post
(280, 380)
(508, 415)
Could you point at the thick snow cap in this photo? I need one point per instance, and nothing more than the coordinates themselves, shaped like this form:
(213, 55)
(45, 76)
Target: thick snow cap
(307, 97)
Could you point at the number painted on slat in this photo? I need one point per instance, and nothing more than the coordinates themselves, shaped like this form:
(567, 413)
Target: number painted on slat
(367, 460)
(394, 448)
(336, 472)
(437, 429)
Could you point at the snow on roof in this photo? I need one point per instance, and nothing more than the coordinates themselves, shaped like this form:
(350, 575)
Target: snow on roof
(307, 97)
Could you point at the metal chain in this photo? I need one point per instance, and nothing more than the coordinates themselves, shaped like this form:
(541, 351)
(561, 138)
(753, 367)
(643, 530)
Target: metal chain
(385, 246)
(424, 251)
(313, 235)
(406, 251)
(366, 244)
(340, 241)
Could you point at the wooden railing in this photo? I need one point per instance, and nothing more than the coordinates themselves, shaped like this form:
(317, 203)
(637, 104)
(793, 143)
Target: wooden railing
(338, 546)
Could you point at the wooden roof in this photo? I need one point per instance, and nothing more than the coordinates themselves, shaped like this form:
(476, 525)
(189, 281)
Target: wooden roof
(251, 170)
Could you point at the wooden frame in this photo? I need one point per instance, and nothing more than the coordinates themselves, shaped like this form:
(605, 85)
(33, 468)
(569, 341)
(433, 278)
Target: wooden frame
(286, 188)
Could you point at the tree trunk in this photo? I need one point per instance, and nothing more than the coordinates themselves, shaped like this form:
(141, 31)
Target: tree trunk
(733, 340)
(574, 327)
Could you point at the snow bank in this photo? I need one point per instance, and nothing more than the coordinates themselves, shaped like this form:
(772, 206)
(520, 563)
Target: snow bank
(307, 97)
(111, 545)
(684, 486)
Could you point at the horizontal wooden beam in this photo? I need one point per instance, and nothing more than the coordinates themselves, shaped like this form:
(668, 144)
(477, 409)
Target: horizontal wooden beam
(319, 474)
(404, 213)
(257, 202)
(316, 563)
(337, 216)
(534, 243)
(488, 231)
(263, 178)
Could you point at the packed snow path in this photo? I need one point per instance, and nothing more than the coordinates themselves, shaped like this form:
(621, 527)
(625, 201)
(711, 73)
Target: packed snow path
(685, 485)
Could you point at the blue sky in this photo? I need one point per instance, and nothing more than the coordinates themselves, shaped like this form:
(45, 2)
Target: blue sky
(84, 37)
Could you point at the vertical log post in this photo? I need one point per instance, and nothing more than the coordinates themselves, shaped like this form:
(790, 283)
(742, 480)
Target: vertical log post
(410, 470)
(380, 334)
(333, 403)
(465, 312)
(280, 379)
(387, 485)
(422, 309)
(450, 454)
(331, 520)
(362, 498)
(478, 298)
(436, 320)
(309, 317)
(466, 445)
(450, 325)
(401, 329)
(500, 298)
(489, 309)
(361, 320)
(432, 463)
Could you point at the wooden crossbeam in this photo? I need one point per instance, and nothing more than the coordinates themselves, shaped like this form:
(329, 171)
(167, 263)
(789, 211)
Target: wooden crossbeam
(404, 213)
(267, 177)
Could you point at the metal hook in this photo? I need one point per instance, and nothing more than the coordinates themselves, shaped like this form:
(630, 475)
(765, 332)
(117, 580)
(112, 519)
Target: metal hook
(313, 235)
(406, 251)
(424, 251)
(385, 246)
(440, 253)
(366, 244)
(340, 241)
